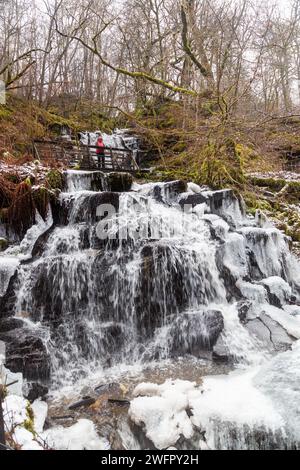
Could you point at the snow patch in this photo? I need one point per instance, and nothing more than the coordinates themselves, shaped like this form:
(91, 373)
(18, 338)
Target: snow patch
(163, 412)
(80, 436)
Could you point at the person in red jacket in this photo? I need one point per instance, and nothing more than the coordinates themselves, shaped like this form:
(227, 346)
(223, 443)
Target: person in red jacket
(100, 152)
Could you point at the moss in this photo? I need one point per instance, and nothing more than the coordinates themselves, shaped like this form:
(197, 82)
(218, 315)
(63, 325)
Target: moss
(21, 212)
(222, 165)
(253, 203)
(29, 422)
(55, 179)
(179, 146)
(5, 113)
(271, 183)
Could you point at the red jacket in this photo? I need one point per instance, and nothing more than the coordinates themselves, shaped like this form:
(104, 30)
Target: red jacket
(100, 145)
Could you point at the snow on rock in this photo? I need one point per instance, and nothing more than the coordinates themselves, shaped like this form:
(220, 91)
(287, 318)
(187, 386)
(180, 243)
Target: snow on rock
(16, 379)
(40, 411)
(80, 436)
(8, 267)
(15, 413)
(18, 414)
(25, 439)
(163, 412)
(194, 188)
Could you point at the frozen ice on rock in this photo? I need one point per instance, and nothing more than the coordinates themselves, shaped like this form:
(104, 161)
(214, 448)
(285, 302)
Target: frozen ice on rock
(163, 411)
(194, 188)
(8, 267)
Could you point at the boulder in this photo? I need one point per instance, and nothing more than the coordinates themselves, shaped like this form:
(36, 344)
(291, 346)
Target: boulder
(87, 210)
(26, 353)
(193, 332)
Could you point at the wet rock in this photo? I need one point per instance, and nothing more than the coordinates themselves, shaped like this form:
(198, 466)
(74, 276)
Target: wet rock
(192, 199)
(119, 182)
(26, 353)
(108, 388)
(82, 403)
(8, 300)
(36, 390)
(97, 181)
(167, 192)
(10, 323)
(3, 244)
(165, 288)
(155, 298)
(61, 209)
(243, 308)
(41, 242)
(221, 352)
(229, 279)
(194, 332)
(88, 208)
(119, 402)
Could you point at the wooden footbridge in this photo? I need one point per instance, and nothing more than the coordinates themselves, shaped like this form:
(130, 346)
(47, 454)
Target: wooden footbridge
(85, 157)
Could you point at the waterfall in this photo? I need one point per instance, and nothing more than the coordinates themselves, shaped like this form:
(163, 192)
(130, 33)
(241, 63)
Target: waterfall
(181, 272)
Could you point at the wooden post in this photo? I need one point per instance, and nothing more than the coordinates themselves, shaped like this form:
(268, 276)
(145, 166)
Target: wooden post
(2, 431)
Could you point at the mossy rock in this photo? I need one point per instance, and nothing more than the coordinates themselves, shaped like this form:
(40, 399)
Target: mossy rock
(55, 179)
(41, 197)
(3, 244)
(271, 183)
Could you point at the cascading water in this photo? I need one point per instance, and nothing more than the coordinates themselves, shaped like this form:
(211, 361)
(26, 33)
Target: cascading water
(179, 273)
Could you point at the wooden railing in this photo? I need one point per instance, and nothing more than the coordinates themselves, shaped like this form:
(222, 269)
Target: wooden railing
(85, 157)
